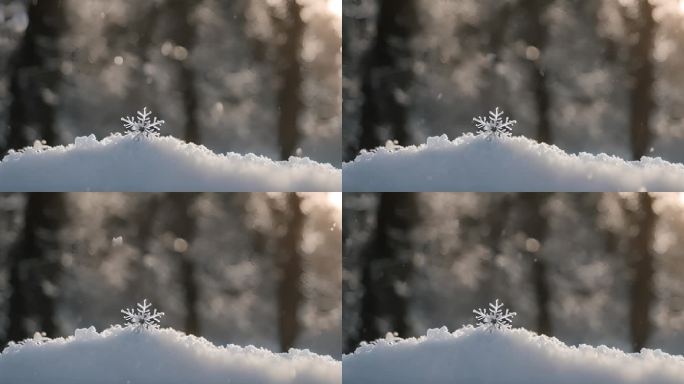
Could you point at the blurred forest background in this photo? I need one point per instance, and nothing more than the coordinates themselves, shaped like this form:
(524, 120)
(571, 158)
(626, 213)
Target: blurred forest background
(240, 75)
(584, 267)
(261, 269)
(594, 76)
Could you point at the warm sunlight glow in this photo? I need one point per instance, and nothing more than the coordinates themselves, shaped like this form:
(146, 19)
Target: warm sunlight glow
(335, 199)
(681, 6)
(681, 197)
(335, 7)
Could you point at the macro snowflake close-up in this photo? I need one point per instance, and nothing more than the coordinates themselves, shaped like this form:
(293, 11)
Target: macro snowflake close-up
(143, 317)
(495, 125)
(494, 317)
(142, 124)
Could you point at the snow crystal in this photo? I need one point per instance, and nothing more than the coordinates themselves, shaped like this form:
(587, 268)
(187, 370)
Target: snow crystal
(508, 164)
(122, 355)
(474, 355)
(142, 125)
(124, 164)
(142, 317)
(494, 125)
(495, 317)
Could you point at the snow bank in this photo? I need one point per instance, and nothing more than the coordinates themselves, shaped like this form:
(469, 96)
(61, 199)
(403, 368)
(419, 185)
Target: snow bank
(121, 355)
(473, 356)
(126, 164)
(473, 163)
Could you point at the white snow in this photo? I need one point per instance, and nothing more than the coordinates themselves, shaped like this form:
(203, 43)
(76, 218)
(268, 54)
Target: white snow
(480, 163)
(124, 355)
(130, 163)
(478, 356)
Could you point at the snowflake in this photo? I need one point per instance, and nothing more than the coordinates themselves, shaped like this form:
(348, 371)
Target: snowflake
(495, 318)
(143, 317)
(495, 125)
(142, 124)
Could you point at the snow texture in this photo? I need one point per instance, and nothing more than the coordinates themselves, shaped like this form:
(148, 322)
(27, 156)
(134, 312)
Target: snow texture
(124, 163)
(476, 356)
(478, 163)
(495, 317)
(142, 317)
(122, 355)
(142, 125)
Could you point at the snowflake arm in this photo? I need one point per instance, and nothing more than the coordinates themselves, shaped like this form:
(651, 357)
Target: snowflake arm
(495, 317)
(143, 124)
(495, 125)
(144, 317)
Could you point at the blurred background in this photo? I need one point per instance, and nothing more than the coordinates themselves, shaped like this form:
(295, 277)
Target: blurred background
(261, 269)
(242, 75)
(584, 267)
(594, 76)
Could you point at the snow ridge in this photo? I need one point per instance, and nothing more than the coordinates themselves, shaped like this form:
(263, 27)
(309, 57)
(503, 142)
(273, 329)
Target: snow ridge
(504, 356)
(482, 163)
(130, 163)
(124, 355)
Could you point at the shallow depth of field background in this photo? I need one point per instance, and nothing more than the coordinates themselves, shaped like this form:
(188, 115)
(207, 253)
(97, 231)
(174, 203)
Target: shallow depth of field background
(261, 269)
(595, 76)
(242, 75)
(586, 268)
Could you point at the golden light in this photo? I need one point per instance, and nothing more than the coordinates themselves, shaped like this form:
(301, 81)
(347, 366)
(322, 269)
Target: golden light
(681, 6)
(335, 199)
(335, 7)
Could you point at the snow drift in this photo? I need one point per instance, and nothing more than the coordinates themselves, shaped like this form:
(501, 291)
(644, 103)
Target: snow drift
(126, 163)
(475, 355)
(122, 355)
(506, 164)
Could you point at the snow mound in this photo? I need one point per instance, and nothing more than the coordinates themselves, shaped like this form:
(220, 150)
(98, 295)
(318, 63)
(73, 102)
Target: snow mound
(475, 355)
(503, 164)
(122, 355)
(127, 163)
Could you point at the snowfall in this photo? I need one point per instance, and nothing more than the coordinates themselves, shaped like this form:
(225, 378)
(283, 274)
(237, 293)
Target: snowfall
(503, 356)
(482, 163)
(150, 356)
(131, 163)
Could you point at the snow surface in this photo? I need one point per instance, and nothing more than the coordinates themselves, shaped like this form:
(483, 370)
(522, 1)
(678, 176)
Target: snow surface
(123, 355)
(477, 356)
(125, 163)
(506, 164)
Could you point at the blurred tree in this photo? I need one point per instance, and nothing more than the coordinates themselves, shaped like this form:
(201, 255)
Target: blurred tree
(290, 29)
(35, 76)
(34, 268)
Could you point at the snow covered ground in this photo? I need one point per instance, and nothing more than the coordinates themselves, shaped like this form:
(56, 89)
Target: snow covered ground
(515, 164)
(476, 356)
(125, 164)
(122, 355)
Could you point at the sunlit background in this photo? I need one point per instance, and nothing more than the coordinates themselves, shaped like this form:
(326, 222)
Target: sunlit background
(586, 268)
(240, 75)
(261, 269)
(595, 76)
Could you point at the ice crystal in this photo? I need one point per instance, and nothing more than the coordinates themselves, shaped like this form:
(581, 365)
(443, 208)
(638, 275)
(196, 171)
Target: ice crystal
(144, 317)
(495, 124)
(495, 317)
(142, 124)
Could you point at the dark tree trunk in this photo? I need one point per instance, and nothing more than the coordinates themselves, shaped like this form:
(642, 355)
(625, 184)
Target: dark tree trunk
(642, 77)
(35, 77)
(385, 266)
(184, 34)
(290, 78)
(388, 74)
(35, 267)
(183, 225)
(291, 270)
(641, 291)
(536, 227)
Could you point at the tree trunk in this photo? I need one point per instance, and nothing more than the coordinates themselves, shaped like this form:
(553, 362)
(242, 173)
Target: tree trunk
(290, 78)
(388, 74)
(291, 270)
(35, 77)
(386, 268)
(641, 291)
(35, 267)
